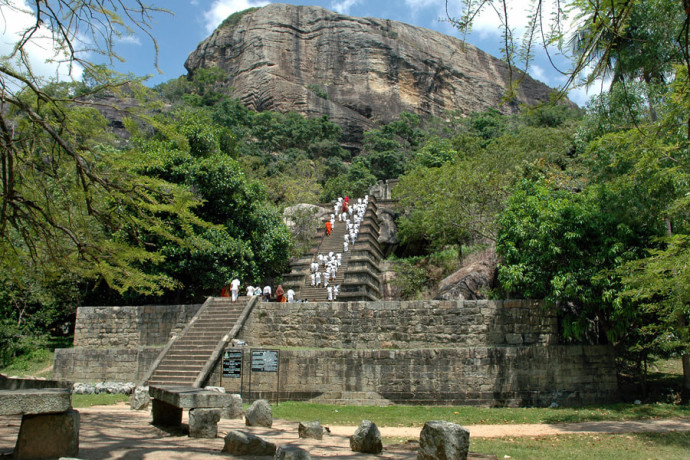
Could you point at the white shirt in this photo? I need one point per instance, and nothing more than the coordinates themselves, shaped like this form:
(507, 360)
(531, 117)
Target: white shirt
(235, 285)
(250, 291)
(267, 289)
(290, 295)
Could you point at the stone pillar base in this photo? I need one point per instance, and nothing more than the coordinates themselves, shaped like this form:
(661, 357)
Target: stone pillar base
(48, 436)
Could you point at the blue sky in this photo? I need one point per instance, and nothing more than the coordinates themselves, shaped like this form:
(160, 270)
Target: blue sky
(191, 21)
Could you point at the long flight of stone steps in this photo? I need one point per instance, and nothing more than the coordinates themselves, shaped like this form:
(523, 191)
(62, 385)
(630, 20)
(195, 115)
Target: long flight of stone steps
(359, 274)
(189, 353)
(330, 243)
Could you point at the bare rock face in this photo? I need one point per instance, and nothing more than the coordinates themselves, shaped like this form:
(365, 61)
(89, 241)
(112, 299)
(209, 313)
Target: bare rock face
(358, 71)
(468, 283)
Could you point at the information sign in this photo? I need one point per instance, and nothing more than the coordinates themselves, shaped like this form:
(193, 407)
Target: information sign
(264, 360)
(232, 364)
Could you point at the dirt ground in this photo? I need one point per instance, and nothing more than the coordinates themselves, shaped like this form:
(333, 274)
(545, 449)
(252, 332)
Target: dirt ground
(116, 432)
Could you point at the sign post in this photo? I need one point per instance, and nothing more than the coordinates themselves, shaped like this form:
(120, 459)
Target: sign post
(232, 365)
(263, 360)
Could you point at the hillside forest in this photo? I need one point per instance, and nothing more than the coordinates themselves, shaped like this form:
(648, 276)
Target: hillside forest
(586, 208)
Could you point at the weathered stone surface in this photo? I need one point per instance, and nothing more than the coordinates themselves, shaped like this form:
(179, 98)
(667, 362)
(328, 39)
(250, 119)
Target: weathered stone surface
(312, 430)
(48, 436)
(233, 407)
(35, 401)
(288, 452)
(140, 399)
(358, 71)
(441, 440)
(244, 443)
(188, 397)
(471, 282)
(303, 210)
(388, 231)
(259, 414)
(367, 438)
(203, 423)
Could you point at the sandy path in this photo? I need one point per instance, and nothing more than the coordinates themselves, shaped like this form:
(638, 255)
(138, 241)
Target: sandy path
(115, 432)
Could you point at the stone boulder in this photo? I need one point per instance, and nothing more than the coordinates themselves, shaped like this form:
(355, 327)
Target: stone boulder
(48, 436)
(259, 414)
(367, 438)
(294, 215)
(388, 231)
(312, 430)
(360, 72)
(469, 283)
(288, 452)
(140, 399)
(83, 388)
(203, 423)
(233, 407)
(440, 440)
(244, 443)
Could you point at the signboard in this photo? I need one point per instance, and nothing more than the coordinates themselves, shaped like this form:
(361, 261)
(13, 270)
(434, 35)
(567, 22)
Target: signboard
(232, 364)
(264, 360)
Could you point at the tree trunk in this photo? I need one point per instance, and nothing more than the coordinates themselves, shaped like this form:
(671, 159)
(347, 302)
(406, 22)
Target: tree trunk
(685, 357)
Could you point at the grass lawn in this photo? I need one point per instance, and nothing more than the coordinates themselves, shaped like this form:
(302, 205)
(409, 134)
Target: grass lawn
(97, 400)
(464, 415)
(633, 446)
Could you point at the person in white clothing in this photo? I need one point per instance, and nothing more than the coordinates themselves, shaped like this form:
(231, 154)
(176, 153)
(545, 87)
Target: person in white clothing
(347, 238)
(250, 291)
(335, 291)
(235, 289)
(257, 290)
(267, 293)
(313, 279)
(325, 282)
(290, 296)
(339, 259)
(318, 278)
(330, 292)
(345, 246)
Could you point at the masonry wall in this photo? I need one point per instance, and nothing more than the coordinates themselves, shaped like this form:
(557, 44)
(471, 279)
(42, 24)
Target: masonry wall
(129, 327)
(119, 343)
(490, 353)
(401, 325)
(486, 376)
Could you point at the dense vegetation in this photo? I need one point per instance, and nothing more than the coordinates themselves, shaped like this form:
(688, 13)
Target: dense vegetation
(586, 209)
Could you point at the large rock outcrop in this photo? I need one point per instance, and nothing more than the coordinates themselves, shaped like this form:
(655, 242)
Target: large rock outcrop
(358, 71)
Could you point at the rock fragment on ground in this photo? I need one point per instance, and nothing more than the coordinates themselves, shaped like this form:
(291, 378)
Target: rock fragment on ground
(367, 438)
(259, 414)
(440, 440)
(140, 399)
(288, 452)
(312, 430)
(244, 443)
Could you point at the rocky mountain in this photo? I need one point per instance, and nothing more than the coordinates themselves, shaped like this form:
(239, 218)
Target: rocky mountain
(358, 71)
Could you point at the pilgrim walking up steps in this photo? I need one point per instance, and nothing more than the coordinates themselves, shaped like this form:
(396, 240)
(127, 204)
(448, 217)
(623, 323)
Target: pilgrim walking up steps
(358, 276)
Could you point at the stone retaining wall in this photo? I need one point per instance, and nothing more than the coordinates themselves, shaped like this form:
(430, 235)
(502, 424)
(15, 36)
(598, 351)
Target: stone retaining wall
(487, 376)
(119, 343)
(103, 364)
(130, 327)
(400, 325)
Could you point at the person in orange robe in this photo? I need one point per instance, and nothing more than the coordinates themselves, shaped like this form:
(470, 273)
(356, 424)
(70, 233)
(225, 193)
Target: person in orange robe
(328, 227)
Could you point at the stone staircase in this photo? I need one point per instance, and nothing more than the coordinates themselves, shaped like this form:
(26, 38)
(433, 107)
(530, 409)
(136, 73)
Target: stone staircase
(359, 274)
(187, 356)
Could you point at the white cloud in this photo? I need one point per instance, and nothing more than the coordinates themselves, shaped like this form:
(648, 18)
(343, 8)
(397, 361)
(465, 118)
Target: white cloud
(129, 40)
(538, 73)
(44, 54)
(221, 9)
(344, 6)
